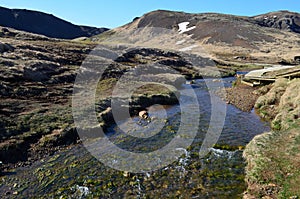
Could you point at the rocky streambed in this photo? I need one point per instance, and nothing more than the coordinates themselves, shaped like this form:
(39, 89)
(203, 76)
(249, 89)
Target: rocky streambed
(40, 148)
(75, 173)
(37, 82)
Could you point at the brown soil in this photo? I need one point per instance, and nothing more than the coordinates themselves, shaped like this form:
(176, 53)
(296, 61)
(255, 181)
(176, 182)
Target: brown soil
(241, 96)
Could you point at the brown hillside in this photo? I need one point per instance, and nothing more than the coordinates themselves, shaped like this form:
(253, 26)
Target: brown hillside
(222, 37)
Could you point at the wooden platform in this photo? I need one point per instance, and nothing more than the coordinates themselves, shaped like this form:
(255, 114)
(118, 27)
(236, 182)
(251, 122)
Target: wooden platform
(270, 74)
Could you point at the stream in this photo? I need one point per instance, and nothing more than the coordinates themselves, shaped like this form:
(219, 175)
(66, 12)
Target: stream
(75, 173)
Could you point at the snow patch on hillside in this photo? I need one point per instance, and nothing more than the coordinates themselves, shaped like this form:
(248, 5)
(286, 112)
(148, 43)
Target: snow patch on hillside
(183, 27)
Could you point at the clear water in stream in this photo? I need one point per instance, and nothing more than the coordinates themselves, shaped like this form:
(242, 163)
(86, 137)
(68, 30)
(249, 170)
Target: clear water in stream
(77, 174)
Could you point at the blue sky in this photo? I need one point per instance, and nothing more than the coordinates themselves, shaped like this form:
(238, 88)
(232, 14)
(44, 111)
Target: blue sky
(119, 12)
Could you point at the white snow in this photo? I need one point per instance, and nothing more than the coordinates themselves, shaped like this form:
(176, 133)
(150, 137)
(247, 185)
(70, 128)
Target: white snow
(183, 27)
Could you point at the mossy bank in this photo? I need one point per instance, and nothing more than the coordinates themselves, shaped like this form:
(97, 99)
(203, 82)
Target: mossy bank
(273, 158)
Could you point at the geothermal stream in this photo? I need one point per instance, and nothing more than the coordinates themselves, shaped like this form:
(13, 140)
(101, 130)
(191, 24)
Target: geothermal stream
(220, 174)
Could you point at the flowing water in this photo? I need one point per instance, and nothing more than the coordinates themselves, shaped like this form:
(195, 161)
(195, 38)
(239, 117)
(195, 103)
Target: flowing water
(219, 174)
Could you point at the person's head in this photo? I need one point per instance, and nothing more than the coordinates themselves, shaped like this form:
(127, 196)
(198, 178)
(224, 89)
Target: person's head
(143, 114)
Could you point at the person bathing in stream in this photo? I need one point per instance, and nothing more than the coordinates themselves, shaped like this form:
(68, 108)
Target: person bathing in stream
(144, 117)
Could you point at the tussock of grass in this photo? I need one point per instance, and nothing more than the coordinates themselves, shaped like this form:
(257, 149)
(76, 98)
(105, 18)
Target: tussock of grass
(267, 104)
(274, 158)
(273, 164)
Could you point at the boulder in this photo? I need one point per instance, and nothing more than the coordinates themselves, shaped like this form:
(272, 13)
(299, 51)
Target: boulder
(40, 70)
(297, 59)
(5, 47)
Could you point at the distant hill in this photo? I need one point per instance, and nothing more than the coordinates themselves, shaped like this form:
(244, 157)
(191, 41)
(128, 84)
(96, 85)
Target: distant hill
(45, 24)
(273, 37)
(283, 20)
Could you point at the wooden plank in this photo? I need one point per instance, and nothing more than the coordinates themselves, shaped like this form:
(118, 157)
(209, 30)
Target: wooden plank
(247, 83)
(261, 78)
(269, 74)
(291, 74)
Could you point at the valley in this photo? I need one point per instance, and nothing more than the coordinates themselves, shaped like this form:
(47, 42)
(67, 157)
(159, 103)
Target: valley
(46, 83)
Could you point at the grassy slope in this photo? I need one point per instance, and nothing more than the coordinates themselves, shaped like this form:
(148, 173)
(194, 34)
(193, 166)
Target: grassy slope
(274, 158)
(36, 114)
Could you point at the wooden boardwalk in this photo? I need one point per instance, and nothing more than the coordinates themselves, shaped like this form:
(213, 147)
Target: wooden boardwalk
(270, 74)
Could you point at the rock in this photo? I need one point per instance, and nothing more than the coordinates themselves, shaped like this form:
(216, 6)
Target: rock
(5, 47)
(297, 59)
(283, 20)
(126, 174)
(4, 90)
(192, 82)
(4, 30)
(40, 70)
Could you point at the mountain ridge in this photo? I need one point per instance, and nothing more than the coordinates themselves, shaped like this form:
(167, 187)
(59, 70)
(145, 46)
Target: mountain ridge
(45, 24)
(282, 19)
(279, 15)
(225, 37)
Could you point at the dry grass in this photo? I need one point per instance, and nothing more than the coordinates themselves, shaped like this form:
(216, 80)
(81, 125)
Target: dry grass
(220, 37)
(267, 104)
(289, 106)
(274, 158)
(273, 164)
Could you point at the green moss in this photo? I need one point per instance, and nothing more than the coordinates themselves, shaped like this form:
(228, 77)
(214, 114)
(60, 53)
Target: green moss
(280, 151)
(228, 147)
(102, 37)
(276, 125)
(234, 83)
